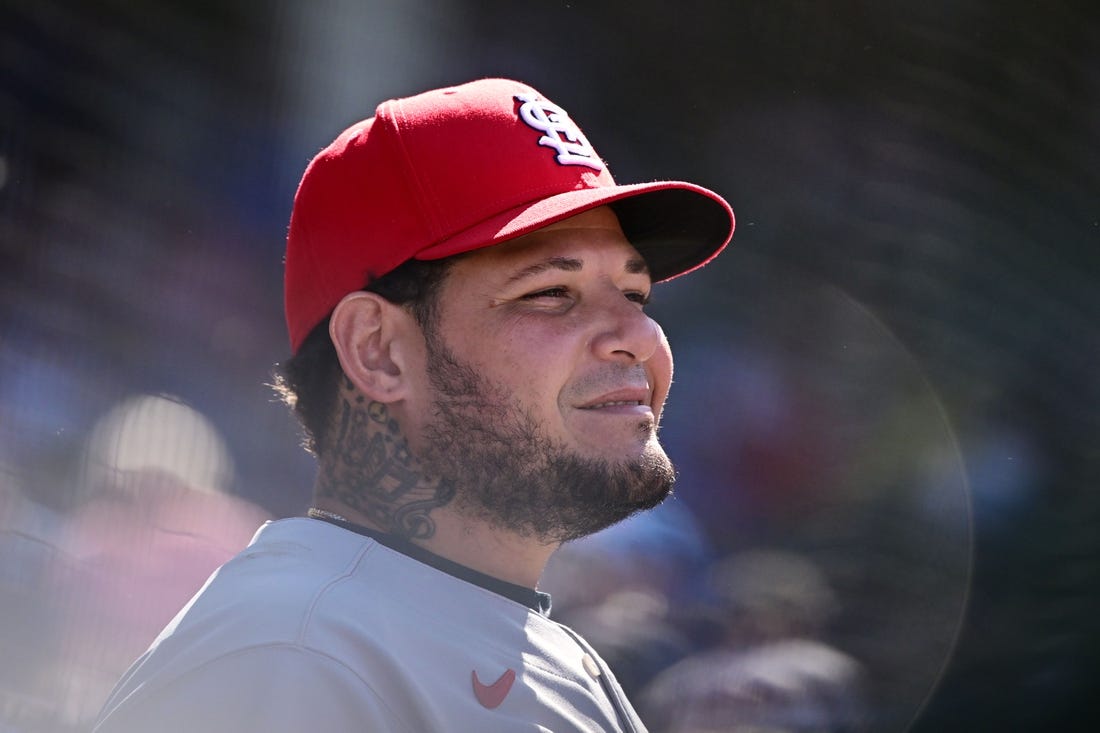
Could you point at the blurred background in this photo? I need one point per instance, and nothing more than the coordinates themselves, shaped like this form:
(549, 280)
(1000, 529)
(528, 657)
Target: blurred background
(887, 406)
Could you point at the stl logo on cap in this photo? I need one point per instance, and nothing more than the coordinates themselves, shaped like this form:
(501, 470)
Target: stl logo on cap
(561, 133)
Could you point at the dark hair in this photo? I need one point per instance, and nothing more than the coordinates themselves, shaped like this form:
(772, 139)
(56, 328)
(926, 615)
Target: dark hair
(308, 381)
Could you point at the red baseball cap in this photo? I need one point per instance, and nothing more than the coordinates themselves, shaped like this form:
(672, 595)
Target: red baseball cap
(456, 169)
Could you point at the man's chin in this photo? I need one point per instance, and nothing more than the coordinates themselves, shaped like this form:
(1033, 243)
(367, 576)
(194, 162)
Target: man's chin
(573, 497)
(621, 454)
(632, 487)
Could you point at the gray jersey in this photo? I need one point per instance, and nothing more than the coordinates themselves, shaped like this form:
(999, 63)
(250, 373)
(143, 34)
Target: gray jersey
(314, 627)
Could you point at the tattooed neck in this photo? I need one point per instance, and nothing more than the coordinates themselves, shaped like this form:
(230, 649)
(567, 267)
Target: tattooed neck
(368, 468)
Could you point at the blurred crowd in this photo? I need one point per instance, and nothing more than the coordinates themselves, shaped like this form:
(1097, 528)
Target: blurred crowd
(84, 592)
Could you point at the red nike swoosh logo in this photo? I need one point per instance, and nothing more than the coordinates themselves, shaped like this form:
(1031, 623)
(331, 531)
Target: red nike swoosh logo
(493, 695)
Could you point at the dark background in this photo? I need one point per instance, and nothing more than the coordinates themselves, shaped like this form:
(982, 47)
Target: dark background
(918, 181)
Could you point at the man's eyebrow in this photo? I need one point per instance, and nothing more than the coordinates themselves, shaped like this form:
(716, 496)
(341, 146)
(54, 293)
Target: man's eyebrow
(634, 266)
(568, 264)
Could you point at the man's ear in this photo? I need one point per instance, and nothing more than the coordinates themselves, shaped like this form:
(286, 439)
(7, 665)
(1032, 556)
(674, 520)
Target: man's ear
(367, 330)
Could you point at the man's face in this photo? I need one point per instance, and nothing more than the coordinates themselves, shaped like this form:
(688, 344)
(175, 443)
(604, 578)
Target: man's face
(545, 382)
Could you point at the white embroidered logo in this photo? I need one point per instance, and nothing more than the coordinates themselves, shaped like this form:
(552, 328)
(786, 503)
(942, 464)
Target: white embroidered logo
(560, 132)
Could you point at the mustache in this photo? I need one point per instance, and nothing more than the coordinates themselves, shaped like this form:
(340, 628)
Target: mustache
(610, 377)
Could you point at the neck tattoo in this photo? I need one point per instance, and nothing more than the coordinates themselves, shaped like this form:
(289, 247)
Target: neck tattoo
(370, 470)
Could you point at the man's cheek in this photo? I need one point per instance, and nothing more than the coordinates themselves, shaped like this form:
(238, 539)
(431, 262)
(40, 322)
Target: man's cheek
(660, 368)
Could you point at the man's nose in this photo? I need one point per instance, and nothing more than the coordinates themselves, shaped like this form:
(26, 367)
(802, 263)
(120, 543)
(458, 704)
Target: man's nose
(625, 334)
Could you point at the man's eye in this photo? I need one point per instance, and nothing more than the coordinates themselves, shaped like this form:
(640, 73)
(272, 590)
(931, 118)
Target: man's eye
(639, 298)
(547, 293)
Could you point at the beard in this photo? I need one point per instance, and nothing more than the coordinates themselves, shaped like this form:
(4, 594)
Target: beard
(510, 474)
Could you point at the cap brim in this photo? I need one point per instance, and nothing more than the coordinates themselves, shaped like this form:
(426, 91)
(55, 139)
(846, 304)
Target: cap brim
(677, 227)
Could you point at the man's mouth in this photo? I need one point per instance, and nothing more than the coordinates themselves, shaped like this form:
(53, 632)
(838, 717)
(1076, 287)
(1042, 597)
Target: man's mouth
(624, 398)
(614, 403)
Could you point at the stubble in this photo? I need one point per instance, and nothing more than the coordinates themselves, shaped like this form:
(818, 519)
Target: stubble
(507, 472)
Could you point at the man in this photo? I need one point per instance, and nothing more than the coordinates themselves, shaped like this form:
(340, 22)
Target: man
(465, 292)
